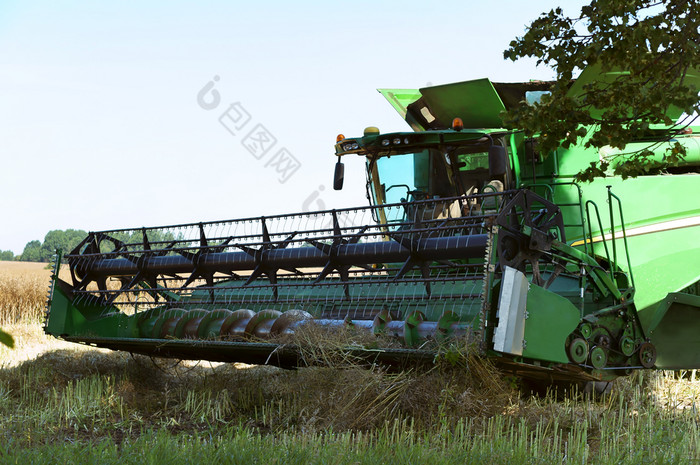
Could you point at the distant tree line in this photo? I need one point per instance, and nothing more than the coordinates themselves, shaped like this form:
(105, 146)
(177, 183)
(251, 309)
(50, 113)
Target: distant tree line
(37, 251)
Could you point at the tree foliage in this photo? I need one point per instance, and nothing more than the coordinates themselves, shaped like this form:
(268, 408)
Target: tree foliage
(36, 251)
(31, 252)
(7, 255)
(65, 240)
(656, 41)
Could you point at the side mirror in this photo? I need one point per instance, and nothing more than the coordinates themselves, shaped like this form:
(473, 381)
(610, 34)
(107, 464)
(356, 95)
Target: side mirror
(339, 175)
(498, 161)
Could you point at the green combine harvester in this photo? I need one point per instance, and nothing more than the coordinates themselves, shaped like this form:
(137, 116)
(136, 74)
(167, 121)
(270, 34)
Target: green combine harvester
(472, 237)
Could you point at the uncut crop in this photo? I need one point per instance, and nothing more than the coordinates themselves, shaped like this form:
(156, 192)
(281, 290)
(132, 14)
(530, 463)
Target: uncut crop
(22, 297)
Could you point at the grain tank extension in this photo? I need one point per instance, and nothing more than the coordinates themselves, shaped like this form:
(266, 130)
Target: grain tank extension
(471, 237)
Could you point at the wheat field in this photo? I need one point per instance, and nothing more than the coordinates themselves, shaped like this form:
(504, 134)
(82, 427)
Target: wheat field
(23, 291)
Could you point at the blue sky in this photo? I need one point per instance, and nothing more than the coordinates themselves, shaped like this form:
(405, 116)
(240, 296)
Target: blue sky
(100, 125)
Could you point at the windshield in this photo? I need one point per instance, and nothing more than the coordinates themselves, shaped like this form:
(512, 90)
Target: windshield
(431, 174)
(427, 175)
(397, 178)
(401, 178)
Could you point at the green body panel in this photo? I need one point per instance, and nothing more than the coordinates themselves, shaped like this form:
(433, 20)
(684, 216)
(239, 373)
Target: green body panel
(594, 73)
(550, 320)
(662, 226)
(691, 158)
(476, 102)
(400, 99)
(675, 331)
(571, 162)
(62, 314)
(73, 320)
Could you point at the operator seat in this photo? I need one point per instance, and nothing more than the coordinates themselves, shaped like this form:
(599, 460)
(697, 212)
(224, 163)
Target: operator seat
(493, 186)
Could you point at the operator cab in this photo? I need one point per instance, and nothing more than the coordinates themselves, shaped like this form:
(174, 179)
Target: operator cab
(407, 168)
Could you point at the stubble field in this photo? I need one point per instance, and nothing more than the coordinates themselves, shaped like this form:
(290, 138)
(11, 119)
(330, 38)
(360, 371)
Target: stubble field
(65, 403)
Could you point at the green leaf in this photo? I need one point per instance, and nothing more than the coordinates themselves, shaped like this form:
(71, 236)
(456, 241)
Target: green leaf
(6, 339)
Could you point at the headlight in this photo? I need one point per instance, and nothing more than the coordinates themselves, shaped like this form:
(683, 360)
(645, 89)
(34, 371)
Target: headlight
(349, 146)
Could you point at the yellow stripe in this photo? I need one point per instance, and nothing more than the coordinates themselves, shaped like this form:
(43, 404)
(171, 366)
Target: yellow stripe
(652, 228)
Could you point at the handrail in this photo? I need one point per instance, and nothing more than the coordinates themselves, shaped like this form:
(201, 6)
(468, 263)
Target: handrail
(624, 233)
(586, 240)
(549, 195)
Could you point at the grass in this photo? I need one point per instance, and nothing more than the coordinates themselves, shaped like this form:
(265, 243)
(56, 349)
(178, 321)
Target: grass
(65, 403)
(87, 406)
